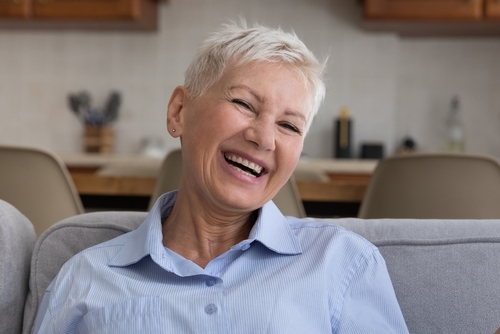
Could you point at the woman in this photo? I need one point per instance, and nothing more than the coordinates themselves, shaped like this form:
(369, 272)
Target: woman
(217, 256)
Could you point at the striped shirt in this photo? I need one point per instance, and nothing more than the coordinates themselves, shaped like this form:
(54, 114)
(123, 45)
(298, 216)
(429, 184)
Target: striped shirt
(290, 276)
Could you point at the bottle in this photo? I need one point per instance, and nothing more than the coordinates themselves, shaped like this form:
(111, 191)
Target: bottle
(455, 128)
(342, 140)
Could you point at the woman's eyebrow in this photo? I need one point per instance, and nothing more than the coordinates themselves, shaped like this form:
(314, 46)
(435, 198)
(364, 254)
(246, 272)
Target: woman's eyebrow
(295, 114)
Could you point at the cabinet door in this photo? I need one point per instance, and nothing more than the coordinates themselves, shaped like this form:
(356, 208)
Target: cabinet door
(86, 9)
(423, 9)
(14, 8)
(492, 9)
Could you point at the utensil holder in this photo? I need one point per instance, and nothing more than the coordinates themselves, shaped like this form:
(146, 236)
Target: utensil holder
(99, 139)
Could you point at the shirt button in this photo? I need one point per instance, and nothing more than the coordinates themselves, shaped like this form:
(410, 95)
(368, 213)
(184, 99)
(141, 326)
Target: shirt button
(245, 247)
(210, 282)
(210, 309)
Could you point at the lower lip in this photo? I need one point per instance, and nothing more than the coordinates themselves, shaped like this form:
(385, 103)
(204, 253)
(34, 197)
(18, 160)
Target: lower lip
(240, 176)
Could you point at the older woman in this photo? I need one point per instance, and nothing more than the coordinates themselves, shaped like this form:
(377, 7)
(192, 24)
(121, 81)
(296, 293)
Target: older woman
(217, 256)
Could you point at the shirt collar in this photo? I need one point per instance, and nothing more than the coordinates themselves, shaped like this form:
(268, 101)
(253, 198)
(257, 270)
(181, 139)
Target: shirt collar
(147, 239)
(271, 229)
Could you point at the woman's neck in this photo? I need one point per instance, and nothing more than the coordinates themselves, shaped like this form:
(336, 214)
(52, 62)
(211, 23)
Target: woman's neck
(201, 235)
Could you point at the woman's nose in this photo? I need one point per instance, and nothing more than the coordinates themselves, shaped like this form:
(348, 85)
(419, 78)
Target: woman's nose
(262, 134)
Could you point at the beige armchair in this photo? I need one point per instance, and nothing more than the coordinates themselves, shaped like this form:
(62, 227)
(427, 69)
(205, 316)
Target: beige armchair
(38, 184)
(448, 186)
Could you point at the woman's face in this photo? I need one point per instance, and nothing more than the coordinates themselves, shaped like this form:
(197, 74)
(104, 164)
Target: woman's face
(242, 139)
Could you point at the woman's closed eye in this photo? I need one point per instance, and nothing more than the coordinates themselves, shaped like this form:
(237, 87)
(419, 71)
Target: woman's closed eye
(242, 104)
(285, 125)
(291, 127)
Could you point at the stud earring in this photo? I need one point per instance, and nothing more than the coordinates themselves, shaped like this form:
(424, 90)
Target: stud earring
(173, 130)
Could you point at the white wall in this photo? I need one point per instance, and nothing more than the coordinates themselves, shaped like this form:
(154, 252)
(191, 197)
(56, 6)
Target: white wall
(431, 71)
(392, 86)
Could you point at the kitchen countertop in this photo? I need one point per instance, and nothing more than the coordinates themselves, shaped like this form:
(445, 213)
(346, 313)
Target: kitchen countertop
(114, 164)
(141, 165)
(323, 180)
(339, 166)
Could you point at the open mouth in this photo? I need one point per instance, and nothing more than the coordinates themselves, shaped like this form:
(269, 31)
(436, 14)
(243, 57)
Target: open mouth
(244, 166)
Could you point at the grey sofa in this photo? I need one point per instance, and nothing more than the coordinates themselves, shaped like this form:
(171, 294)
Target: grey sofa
(17, 238)
(446, 273)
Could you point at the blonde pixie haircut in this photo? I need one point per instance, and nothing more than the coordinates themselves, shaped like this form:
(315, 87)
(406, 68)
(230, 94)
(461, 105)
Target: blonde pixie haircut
(238, 45)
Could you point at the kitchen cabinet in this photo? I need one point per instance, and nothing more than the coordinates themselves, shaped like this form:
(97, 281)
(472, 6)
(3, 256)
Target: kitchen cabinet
(14, 8)
(90, 9)
(424, 9)
(492, 9)
(433, 17)
(135, 14)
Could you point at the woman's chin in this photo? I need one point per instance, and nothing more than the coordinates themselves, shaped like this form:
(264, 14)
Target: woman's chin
(243, 206)
(240, 201)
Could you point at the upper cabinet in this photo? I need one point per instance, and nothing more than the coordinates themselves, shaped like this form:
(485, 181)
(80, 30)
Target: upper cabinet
(434, 17)
(119, 14)
(14, 8)
(492, 9)
(424, 9)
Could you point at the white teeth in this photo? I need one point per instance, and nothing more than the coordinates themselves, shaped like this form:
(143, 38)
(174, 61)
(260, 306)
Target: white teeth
(253, 166)
(242, 171)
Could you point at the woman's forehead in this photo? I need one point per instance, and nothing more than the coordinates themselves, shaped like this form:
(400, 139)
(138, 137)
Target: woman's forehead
(236, 74)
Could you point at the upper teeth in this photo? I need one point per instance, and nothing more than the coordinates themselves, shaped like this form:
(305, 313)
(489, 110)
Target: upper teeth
(253, 166)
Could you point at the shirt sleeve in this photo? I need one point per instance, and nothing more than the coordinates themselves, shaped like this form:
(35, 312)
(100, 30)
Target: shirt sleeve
(370, 304)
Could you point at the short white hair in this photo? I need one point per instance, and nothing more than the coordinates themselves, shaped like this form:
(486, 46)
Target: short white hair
(238, 45)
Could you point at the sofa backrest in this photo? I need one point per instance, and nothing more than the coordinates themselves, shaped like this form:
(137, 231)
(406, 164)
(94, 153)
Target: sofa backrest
(63, 240)
(446, 273)
(17, 238)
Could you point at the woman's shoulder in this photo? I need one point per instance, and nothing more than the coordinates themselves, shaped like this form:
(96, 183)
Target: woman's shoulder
(324, 224)
(328, 231)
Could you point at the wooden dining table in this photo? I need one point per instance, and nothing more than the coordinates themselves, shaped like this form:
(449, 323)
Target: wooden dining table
(319, 181)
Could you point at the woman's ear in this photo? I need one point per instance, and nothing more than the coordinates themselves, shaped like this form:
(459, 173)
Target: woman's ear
(176, 110)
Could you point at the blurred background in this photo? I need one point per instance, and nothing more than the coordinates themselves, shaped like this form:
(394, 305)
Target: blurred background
(393, 86)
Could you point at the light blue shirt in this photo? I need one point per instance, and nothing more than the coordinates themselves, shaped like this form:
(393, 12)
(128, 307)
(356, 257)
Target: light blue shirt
(290, 276)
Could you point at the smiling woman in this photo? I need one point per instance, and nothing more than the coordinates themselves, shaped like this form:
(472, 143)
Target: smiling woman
(255, 115)
(217, 256)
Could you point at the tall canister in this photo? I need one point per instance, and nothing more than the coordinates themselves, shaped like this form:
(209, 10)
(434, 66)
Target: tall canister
(343, 136)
